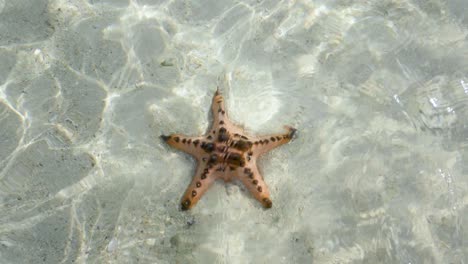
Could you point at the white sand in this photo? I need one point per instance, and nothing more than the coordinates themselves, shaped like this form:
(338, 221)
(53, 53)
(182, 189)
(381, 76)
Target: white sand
(377, 90)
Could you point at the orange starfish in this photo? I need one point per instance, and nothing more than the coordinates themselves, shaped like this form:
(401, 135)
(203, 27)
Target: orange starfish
(226, 152)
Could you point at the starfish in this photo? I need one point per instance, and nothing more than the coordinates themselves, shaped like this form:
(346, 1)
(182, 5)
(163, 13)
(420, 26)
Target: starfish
(226, 152)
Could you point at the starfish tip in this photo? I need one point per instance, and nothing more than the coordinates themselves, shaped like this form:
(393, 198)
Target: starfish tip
(292, 132)
(267, 203)
(164, 137)
(185, 205)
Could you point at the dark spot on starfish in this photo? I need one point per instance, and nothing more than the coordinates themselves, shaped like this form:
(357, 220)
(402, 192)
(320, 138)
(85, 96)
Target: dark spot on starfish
(247, 170)
(176, 139)
(255, 182)
(273, 139)
(205, 171)
(219, 101)
(198, 184)
(214, 132)
(203, 159)
(209, 137)
(278, 138)
(267, 202)
(250, 153)
(244, 137)
(223, 137)
(259, 188)
(242, 145)
(185, 205)
(222, 112)
(219, 110)
(208, 147)
(213, 158)
(231, 168)
(194, 193)
(235, 159)
(248, 158)
(256, 142)
(165, 138)
(266, 141)
(189, 141)
(250, 175)
(184, 140)
(221, 122)
(195, 142)
(203, 176)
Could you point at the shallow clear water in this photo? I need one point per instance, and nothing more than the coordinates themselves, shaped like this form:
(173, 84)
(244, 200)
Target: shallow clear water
(378, 91)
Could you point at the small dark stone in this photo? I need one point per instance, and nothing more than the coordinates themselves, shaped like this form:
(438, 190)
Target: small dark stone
(191, 221)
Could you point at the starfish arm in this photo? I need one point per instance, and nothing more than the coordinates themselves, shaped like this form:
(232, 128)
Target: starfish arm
(201, 182)
(190, 145)
(266, 143)
(253, 181)
(218, 109)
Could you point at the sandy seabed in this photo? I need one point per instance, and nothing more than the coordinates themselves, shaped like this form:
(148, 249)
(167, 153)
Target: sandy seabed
(377, 89)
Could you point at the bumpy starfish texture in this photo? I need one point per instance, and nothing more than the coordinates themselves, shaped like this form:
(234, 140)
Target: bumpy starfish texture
(226, 152)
